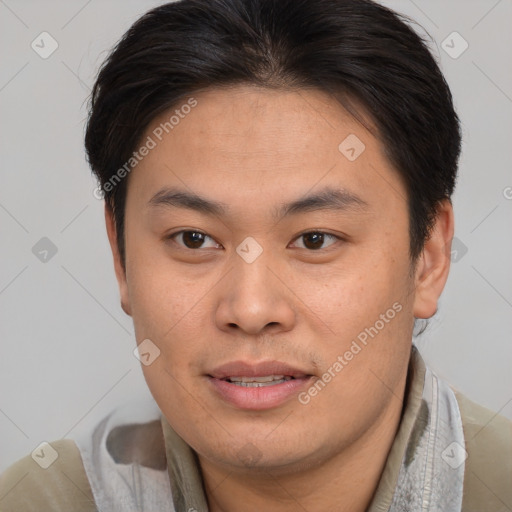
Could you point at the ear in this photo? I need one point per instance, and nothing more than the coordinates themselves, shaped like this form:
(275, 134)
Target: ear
(433, 264)
(118, 266)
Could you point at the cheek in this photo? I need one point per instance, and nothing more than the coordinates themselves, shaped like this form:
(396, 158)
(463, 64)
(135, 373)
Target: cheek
(181, 403)
(369, 310)
(356, 292)
(161, 296)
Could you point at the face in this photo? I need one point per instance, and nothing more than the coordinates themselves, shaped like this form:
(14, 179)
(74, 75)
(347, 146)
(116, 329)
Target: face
(267, 257)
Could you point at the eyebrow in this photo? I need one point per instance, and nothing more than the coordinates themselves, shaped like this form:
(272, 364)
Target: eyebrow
(172, 197)
(326, 199)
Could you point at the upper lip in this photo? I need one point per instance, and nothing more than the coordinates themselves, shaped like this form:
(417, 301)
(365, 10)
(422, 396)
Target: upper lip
(261, 369)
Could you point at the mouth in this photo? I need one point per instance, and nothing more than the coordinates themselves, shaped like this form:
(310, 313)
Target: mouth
(257, 386)
(258, 382)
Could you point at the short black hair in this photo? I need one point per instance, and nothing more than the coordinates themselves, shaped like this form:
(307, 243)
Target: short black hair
(358, 51)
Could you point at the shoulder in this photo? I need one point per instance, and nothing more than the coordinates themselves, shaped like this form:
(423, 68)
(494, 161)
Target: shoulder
(117, 465)
(34, 486)
(488, 467)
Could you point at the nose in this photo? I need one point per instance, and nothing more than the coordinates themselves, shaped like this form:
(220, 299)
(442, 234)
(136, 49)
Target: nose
(254, 300)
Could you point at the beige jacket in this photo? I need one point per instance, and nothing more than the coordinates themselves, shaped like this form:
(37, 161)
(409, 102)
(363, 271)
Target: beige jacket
(151, 454)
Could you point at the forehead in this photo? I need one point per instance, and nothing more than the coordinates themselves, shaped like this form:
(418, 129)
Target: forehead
(240, 140)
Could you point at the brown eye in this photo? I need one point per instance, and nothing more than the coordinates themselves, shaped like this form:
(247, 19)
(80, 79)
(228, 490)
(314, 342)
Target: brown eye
(315, 240)
(194, 240)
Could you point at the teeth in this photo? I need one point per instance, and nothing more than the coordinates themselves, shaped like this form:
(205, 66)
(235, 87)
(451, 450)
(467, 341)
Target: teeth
(267, 378)
(259, 384)
(253, 382)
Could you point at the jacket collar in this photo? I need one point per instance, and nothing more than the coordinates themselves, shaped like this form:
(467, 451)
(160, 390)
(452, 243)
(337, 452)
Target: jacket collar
(430, 421)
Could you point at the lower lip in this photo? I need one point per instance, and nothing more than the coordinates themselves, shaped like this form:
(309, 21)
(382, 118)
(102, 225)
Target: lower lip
(258, 398)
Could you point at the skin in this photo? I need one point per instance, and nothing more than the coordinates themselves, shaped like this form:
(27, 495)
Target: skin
(254, 149)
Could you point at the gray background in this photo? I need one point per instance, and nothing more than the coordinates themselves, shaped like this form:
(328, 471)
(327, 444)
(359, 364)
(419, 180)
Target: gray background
(66, 355)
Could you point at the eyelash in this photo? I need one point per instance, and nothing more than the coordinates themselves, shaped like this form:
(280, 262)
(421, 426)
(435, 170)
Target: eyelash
(174, 235)
(325, 234)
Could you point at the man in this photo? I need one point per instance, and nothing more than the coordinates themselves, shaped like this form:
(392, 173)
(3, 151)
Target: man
(277, 178)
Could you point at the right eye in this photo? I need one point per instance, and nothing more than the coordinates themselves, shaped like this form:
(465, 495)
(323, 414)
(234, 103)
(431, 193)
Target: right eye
(194, 240)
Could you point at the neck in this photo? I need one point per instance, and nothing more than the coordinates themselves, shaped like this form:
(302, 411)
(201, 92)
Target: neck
(344, 481)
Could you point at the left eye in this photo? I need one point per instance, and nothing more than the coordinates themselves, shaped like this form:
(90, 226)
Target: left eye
(194, 240)
(315, 240)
